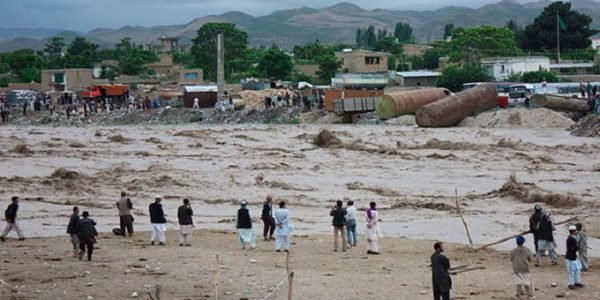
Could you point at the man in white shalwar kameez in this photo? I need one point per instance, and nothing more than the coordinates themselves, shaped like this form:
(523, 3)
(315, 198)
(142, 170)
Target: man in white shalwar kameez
(243, 223)
(282, 228)
(373, 232)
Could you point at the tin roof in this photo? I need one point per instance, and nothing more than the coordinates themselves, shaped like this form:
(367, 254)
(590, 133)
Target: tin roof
(200, 88)
(421, 73)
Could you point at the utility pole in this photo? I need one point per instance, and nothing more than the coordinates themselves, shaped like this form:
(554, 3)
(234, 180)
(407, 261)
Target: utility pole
(220, 67)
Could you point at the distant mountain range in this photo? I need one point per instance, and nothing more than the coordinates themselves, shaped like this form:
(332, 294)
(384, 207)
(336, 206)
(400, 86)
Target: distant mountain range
(287, 28)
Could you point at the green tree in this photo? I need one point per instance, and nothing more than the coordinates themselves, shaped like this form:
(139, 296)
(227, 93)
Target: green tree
(204, 47)
(470, 44)
(538, 76)
(454, 76)
(431, 59)
(54, 51)
(183, 57)
(26, 64)
(541, 35)
(366, 38)
(448, 30)
(276, 64)
(311, 51)
(404, 33)
(109, 72)
(328, 66)
(132, 58)
(81, 54)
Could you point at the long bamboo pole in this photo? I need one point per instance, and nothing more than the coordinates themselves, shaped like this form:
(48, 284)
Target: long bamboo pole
(217, 275)
(522, 233)
(290, 275)
(462, 217)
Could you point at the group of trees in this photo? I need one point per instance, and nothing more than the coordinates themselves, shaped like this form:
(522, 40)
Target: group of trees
(463, 46)
(25, 65)
(468, 45)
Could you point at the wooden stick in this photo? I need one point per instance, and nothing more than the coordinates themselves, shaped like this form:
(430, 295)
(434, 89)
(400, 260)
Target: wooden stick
(217, 271)
(290, 275)
(462, 217)
(285, 278)
(522, 233)
(467, 270)
(458, 267)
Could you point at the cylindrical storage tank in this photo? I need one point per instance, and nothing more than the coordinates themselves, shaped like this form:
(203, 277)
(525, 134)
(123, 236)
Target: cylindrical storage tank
(452, 109)
(560, 103)
(407, 102)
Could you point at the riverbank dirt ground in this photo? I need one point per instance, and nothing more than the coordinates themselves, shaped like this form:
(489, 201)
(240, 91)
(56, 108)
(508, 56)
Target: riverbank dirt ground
(42, 268)
(411, 173)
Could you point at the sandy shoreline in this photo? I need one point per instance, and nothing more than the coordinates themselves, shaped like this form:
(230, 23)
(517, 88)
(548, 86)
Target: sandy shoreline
(42, 268)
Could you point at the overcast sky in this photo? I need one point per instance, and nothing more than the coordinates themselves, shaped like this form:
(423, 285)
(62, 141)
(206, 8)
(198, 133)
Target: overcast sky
(83, 15)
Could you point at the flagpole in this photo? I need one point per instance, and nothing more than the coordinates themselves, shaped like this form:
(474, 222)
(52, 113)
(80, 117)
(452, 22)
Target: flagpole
(557, 38)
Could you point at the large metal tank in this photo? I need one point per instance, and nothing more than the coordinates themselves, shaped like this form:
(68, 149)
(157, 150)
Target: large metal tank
(452, 109)
(407, 102)
(560, 103)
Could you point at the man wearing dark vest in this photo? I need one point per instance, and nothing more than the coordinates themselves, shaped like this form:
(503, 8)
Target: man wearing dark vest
(125, 206)
(244, 226)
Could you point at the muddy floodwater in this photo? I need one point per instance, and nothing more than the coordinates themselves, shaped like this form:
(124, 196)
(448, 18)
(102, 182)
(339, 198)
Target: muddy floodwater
(411, 173)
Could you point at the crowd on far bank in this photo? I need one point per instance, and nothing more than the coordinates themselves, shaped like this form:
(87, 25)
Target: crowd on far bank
(277, 227)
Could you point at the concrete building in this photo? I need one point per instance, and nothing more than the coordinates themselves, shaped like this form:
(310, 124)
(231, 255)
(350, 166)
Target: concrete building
(415, 79)
(164, 66)
(75, 80)
(190, 77)
(168, 44)
(596, 45)
(361, 61)
(500, 68)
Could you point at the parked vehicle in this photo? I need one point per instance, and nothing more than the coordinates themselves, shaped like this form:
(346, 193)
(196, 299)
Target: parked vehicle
(520, 94)
(115, 92)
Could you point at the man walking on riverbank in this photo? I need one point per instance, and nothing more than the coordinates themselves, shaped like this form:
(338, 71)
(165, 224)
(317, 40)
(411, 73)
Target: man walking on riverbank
(440, 266)
(534, 224)
(573, 264)
(283, 229)
(125, 218)
(159, 222)
(73, 229)
(351, 224)
(546, 239)
(186, 223)
(87, 236)
(268, 220)
(243, 223)
(10, 215)
(583, 247)
(520, 258)
(339, 225)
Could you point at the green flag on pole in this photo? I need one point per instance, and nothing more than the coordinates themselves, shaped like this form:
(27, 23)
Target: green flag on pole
(562, 24)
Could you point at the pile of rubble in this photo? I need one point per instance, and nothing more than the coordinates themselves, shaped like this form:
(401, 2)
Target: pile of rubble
(589, 126)
(256, 99)
(279, 115)
(518, 118)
